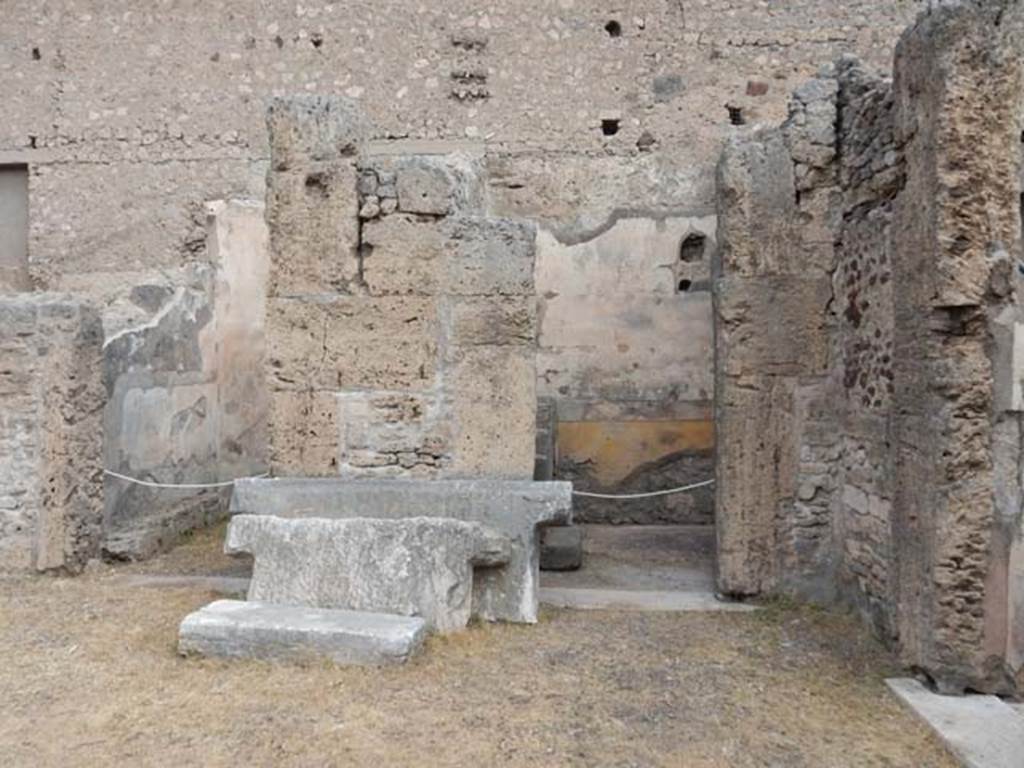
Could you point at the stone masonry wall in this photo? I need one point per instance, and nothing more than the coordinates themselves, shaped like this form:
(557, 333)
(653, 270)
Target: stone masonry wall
(595, 121)
(921, 505)
(51, 482)
(401, 323)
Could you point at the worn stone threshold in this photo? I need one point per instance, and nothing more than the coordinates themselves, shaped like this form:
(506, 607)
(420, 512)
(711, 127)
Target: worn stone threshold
(637, 600)
(980, 731)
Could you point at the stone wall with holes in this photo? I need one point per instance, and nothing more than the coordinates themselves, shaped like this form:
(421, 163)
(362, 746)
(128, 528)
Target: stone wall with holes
(584, 118)
(870, 451)
(51, 471)
(401, 319)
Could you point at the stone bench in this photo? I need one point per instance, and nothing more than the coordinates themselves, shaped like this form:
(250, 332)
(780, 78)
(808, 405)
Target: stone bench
(418, 566)
(250, 630)
(517, 509)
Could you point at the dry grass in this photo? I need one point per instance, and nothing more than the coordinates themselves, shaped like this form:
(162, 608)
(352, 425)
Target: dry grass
(91, 677)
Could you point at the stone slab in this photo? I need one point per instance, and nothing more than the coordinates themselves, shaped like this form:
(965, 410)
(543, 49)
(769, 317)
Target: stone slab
(637, 600)
(518, 509)
(253, 630)
(981, 731)
(561, 548)
(411, 567)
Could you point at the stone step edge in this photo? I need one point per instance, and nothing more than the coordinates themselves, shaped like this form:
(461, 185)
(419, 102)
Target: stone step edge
(255, 630)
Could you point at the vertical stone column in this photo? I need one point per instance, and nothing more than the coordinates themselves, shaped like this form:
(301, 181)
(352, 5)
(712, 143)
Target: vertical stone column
(772, 304)
(959, 86)
(51, 402)
(312, 212)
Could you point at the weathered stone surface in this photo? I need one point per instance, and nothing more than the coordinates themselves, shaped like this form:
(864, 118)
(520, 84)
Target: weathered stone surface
(882, 462)
(187, 399)
(416, 566)
(252, 630)
(517, 509)
(561, 548)
(982, 731)
(51, 461)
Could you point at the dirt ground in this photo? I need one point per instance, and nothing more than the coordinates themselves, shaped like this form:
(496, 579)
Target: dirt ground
(90, 677)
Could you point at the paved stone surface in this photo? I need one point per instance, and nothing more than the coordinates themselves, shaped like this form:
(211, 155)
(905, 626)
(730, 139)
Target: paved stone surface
(636, 600)
(236, 629)
(561, 548)
(413, 567)
(982, 731)
(516, 508)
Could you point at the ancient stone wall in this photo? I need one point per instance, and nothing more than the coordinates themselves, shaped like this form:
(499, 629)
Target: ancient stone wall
(187, 401)
(919, 506)
(51, 483)
(401, 323)
(599, 122)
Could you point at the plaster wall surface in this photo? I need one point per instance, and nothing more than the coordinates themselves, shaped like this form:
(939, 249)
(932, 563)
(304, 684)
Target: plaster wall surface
(13, 227)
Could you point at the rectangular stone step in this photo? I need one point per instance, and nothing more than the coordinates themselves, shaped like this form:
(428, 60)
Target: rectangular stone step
(254, 630)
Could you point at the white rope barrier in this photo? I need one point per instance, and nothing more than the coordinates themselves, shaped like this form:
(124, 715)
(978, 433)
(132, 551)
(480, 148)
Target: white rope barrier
(180, 486)
(682, 489)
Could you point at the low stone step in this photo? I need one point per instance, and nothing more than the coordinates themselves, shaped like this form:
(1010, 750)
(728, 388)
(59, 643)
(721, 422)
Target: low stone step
(255, 630)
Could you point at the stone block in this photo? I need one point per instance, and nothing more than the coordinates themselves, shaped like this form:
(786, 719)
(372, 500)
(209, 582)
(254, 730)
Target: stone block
(425, 189)
(352, 342)
(416, 566)
(493, 320)
(314, 225)
(304, 432)
(518, 509)
(561, 548)
(305, 130)
(252, 630)
(51, 433)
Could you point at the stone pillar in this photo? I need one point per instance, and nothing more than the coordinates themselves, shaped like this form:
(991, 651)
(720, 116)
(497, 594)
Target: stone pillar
(51, 404)
(312, 207)
(772, 296)
(959, 104)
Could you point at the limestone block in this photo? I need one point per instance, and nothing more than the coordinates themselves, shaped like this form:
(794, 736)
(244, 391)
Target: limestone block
(345, 342)
(412, 567)
(313, 218)
(494, 406)
(455, 255)
(304, 432)
(515, 508)
(252, 630)
(305, 130)
(425, 189)
(51, 462)
(493, 320)
(773, 325)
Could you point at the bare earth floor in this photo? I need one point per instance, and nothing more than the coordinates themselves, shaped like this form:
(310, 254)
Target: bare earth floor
(90, 677)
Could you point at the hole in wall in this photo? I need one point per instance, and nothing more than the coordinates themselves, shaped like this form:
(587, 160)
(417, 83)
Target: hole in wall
(684, 286)
(316, 183)
(316, 39)
(36, 54)
(736, 115)
(613, 28)
(692, 248)
(279, 41)
(609, 127)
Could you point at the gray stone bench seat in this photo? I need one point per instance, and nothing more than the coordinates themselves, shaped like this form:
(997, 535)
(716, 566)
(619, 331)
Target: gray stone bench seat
(252, 630)
(516, 508)
(419, 566)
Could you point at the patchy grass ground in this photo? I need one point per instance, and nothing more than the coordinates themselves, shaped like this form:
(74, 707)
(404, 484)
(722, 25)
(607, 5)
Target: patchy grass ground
(90, 677)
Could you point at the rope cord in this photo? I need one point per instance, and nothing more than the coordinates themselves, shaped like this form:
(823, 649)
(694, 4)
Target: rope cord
(668, 492)
(180, 486)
